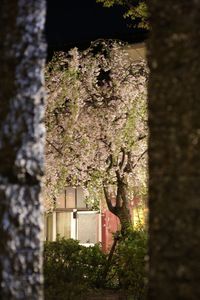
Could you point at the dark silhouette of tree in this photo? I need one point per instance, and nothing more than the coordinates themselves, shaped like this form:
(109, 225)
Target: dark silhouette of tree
(22, 54)
(174, 150)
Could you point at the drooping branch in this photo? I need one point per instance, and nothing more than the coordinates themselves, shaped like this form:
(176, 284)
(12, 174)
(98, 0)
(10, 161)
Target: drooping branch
(142, 137)
(55, 148)
(139, 158)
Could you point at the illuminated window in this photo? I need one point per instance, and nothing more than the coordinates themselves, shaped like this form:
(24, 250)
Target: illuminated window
(88, 227)
(63, 224)
(72, 219)
(71, 198)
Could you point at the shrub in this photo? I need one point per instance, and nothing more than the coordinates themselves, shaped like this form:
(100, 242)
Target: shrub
(70, 269)
(129, 263)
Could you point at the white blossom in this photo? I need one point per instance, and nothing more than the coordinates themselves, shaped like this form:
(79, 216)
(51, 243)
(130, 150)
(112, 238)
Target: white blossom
(96, 107)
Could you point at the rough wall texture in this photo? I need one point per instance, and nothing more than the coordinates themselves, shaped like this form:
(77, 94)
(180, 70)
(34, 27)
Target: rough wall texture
(174, 150)
(22, 54)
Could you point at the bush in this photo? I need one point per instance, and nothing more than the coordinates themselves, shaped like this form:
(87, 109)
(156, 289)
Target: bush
(129, 263)
(70, 269)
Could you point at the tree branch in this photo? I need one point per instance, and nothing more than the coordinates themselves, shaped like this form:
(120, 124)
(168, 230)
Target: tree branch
(139, 158)
(108, 200)
(121, 163)
(53, 146)
(121, 198)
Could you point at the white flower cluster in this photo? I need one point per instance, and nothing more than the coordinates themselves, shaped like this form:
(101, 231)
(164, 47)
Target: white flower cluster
(96, 107)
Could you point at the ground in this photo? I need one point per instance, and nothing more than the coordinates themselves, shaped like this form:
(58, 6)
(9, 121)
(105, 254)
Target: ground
(107, 295)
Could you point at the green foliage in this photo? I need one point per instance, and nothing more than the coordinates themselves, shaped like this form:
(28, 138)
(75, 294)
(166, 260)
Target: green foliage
(129, 263)
(72, 270)
(95, 191)
(136, 10)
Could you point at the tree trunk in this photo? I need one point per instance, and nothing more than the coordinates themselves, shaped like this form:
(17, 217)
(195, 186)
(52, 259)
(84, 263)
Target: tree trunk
(22, 54)
(174, 150)
(123, 213)
(120, 208)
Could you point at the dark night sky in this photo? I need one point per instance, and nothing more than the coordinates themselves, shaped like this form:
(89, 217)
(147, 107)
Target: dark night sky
(76, 23)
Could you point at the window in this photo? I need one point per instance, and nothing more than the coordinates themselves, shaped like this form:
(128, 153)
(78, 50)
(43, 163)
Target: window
(88, 227)
(49, 227)
(71, 198)
(72, 219)
(63, 224)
